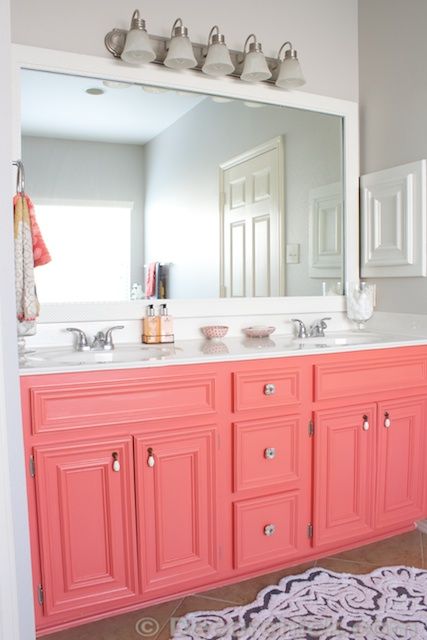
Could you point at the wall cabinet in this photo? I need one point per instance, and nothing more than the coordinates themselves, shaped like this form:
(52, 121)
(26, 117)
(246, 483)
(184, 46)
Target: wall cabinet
(154, 483)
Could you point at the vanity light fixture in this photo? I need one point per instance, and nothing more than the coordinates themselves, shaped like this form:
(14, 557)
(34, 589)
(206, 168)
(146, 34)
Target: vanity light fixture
(290, 73)
(138, 48)
(255, 67)
(218, 61)
(214, 59)
(180, 53)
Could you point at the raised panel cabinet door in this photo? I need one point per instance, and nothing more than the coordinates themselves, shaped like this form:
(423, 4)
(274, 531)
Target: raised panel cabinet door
(176, 508)
(344, 448)
(85, 504)
(401, 473)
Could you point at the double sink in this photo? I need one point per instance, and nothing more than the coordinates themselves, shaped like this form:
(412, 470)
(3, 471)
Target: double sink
(190, 350)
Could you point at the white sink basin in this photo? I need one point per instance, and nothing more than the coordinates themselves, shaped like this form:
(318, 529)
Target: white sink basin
(135, 353)
(343, 339)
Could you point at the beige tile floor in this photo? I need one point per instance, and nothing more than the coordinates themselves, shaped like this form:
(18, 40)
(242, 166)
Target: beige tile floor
(407, 549)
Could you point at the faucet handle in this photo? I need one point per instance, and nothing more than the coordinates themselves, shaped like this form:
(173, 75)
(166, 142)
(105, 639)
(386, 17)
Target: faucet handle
(82, 343)
(317, 329)
(109, 337)
(301, 331)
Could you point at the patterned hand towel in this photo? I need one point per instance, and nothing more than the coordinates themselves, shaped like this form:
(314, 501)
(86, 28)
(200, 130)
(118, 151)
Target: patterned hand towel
(30, 251)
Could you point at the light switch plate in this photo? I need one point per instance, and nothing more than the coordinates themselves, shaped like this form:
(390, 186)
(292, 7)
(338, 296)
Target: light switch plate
(292, 254)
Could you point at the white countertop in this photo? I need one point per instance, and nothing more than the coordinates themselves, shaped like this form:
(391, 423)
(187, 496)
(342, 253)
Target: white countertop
(133, 356)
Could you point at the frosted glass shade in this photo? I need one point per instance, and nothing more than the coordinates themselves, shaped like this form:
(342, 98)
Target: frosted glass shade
(180, 54)
(255, 67)
(138, 48)
(290, 74)
(218, 61)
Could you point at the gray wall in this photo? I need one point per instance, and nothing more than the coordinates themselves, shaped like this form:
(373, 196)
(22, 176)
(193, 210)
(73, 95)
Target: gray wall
(81, 170)
(393, 98)
(181, 186)
(324, 32)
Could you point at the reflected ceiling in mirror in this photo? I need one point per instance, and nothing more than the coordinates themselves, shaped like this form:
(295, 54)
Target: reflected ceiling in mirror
(148, 192)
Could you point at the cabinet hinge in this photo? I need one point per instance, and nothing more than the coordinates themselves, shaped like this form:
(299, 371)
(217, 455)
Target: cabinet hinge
(32, 466)
(310, 530)
(311, 428)
(40, 594)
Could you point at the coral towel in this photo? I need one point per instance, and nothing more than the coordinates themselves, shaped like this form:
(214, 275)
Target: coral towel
(150, 281)
(30, 251)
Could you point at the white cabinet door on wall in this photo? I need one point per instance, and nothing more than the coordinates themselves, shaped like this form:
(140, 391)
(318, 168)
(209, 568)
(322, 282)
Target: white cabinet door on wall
(326, 231)
(393, 212)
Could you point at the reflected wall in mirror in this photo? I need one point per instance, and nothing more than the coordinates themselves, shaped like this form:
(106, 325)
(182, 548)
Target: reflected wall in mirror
(230, 198)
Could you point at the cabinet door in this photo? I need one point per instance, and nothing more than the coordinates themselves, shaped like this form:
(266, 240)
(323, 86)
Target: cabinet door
(401, 465)
(176, 499)
(344, 444)
(86, 525)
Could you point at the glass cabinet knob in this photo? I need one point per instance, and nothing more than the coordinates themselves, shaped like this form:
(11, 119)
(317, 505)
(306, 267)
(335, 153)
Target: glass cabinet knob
(269, 529)
(269, 389)
(150, 460)
(387, 420)
(365, 423)
(116, 463)
(270, 453)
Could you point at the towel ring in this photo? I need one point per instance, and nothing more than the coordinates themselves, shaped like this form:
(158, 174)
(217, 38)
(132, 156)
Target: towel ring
(20, 176)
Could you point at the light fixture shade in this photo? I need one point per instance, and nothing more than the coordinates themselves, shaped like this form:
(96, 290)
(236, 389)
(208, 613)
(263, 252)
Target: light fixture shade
(138, 48)
(180, 53)
(218, 61)
(255, 67)
(290, 74)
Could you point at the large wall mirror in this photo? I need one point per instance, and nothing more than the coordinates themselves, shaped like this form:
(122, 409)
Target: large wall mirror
(143, 191)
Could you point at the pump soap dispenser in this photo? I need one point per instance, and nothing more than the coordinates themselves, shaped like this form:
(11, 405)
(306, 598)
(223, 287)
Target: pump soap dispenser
(166, 325)
(151, 327)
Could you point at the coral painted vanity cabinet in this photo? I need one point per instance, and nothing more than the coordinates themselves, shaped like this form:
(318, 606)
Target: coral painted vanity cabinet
(148, 483)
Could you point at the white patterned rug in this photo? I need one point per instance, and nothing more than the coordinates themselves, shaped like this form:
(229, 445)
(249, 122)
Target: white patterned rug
(388, 604)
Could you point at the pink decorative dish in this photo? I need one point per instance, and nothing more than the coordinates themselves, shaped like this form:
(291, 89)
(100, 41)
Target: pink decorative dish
(214, 331)
(258, 331)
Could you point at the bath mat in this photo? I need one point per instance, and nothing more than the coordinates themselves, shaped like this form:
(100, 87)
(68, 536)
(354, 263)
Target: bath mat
(388, 604)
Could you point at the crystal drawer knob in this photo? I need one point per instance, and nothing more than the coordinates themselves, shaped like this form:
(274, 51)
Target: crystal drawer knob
(365, 425)
(270, 453)
(269, 389)
(269, 529)
(387, 421)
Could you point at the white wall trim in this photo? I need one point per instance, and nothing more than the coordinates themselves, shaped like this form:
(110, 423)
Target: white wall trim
(16, 601)
(109, 68)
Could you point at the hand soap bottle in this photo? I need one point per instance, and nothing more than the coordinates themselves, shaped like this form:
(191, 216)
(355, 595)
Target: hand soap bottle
(151, 327)
(166, 325)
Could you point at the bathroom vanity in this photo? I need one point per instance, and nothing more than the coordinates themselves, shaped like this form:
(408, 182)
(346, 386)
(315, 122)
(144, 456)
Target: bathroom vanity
(166, 477)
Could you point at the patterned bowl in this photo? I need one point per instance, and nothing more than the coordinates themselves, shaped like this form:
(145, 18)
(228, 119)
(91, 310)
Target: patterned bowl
(214, 331)
(260, 331)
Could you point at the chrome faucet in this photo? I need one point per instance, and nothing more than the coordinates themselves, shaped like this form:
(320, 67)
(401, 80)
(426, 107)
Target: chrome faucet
(101, 342)
(81, 343)
(301, 328)
(317, 329)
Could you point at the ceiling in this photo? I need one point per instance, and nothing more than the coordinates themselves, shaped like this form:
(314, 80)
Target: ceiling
(57, 106)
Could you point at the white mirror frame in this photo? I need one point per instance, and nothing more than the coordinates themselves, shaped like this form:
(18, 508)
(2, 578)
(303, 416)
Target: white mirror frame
(24, 57)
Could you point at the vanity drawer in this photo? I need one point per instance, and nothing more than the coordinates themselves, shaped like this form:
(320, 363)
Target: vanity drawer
(267, 452)
(267, 388)
(78, 405)
(367, 373)
(266, 529)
